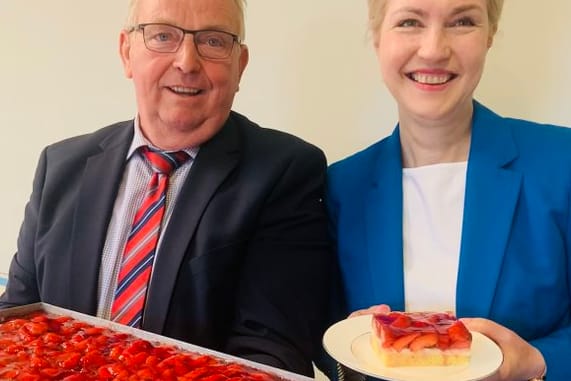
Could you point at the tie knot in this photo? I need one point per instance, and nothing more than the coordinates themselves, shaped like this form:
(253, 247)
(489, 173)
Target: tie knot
(164, 162)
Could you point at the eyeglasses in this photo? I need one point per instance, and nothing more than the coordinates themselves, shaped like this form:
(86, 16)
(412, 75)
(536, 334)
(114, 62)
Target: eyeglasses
(166, 38)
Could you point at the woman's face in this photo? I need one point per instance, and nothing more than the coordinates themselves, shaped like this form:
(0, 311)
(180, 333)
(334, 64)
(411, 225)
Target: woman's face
(432, 54)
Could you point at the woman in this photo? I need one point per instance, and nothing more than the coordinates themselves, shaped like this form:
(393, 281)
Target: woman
(459, 209)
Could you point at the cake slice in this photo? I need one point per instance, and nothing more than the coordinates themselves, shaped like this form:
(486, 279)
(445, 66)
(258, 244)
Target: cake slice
(420, 339)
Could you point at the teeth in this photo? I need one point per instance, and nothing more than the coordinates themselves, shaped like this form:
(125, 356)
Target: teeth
(431, 79)
(184, 90)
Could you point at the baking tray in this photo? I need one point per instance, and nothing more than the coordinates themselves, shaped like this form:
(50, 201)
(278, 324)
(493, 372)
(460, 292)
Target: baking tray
(151, 337)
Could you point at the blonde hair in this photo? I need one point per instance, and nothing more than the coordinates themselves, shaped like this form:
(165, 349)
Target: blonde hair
(241, 4)
(377, 13)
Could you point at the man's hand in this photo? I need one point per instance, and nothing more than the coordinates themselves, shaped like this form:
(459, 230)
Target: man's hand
(522, 361)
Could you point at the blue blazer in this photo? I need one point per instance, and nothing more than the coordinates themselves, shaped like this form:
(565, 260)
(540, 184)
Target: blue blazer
(515, 261)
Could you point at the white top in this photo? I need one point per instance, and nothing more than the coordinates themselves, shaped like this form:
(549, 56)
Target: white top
(433, 207)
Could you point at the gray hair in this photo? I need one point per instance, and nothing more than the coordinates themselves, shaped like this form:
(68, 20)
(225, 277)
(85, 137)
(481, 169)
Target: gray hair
(241, 4)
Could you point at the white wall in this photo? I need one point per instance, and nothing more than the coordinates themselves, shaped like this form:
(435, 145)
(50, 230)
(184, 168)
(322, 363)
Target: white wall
(312, 72)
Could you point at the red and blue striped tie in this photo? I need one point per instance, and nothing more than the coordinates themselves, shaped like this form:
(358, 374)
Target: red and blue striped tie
(140, 250)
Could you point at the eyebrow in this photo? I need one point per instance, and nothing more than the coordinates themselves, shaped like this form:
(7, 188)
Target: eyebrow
(466, 8)
(217, 27)
(455, 11)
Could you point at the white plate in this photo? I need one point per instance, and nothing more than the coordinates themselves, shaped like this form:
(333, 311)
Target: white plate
(348, 342)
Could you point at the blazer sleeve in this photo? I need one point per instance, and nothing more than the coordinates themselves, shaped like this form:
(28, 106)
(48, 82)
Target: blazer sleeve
(556, 347)
(281, 308)
(22, 287)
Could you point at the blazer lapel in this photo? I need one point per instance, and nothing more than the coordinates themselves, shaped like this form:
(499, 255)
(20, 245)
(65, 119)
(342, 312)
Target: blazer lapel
(214, 162)
(492, 191)
(101, 178)
(384, 225)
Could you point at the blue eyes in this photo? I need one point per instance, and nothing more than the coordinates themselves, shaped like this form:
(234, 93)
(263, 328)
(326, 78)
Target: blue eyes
(409, 23)
(465, 21)
(413, 23)
(163, 37)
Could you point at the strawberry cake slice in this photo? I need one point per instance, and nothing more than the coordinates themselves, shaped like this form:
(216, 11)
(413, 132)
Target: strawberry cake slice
(420, 339)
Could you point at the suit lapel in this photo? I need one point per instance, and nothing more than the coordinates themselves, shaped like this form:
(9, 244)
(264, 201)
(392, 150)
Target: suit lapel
(214, 162)
(384, 225)
(492, 191)
(101, 178)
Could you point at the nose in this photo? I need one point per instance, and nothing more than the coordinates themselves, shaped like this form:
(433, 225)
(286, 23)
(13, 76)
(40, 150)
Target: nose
(435, 45)
(187, 58)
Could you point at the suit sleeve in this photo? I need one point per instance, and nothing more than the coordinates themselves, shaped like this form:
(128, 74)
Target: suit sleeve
(285, 280)
(556, 347)
(338, 309)
(22, 287)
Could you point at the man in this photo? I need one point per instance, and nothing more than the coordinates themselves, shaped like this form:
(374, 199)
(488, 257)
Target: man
(238, 258)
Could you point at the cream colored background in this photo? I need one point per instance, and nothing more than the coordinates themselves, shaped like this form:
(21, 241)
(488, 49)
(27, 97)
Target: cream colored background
(312, 73)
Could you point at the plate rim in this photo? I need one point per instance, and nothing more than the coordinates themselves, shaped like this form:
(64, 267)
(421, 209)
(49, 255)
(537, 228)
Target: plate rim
(350, 329)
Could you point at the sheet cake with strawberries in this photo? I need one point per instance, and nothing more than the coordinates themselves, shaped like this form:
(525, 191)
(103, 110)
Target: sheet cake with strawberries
(420, 339)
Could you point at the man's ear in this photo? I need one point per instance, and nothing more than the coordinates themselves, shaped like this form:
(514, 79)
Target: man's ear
(242, 63)
(244, 58)
(125, 52)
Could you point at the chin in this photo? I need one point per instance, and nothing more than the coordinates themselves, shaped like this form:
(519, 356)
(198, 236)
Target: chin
(434, 111)
(182, 120)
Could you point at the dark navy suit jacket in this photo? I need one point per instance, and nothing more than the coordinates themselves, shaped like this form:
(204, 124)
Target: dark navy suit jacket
(245, 260)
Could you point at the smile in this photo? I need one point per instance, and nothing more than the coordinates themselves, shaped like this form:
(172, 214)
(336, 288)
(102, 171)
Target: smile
(431, 79)
(180, 90)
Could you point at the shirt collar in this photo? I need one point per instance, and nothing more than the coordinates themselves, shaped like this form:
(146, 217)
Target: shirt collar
(139, 140)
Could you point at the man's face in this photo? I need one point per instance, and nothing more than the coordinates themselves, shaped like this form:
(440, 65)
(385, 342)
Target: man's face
(182, 98)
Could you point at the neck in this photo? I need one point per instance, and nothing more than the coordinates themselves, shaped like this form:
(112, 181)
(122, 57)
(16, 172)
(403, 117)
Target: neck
(432, 142)
(175, 137)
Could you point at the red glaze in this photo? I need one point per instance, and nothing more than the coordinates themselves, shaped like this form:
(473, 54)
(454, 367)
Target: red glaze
(419, 330)
(43, 347)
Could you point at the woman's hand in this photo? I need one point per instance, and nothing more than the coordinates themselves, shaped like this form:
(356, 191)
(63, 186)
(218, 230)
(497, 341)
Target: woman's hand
(344, 373)
(378, 309)
(522, 361)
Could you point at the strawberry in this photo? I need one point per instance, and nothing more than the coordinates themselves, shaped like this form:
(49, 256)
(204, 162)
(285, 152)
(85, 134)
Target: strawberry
(112, 371)
(404, 341)
(459, 333)
(68, 360)
(9, 374)
(39, 318)
(38, 362)
(138, 346)
(426, 340)
(52, 338)
(402, 321)
(51, 372)
(146, 374)
(29, 377)
(93, 359)
(92, 331)
(135, 361)
(260, 376)
(200, 361)
(168, 374)
(6, 359)
(151, 361)
(76, 377)
(443, 342)
(460, 345)
(214, 377)
(420, 324)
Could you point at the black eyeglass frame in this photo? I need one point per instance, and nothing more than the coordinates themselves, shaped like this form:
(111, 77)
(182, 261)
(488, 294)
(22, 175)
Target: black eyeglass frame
(141, 28)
